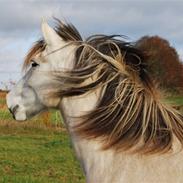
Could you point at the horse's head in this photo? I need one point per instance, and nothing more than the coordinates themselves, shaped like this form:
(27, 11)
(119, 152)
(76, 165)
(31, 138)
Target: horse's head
(30, 94)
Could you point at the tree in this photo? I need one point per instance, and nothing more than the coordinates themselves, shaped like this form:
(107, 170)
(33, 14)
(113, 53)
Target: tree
(163, 61)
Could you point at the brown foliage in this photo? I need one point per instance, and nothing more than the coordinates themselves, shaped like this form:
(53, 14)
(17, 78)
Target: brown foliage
(3, 94)
(164, 63)
(46, 116)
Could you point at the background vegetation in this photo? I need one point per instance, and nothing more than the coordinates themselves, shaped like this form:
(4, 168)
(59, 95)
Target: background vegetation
(164, 63)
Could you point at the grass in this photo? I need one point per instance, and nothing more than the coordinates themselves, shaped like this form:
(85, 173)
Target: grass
(5, 115)
(175, 100)
(2, 101)
(37, 156)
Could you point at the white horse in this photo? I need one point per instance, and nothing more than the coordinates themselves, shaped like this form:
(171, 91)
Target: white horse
(120, 129)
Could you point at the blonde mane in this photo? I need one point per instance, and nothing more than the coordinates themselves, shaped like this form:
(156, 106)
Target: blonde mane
(129, 115)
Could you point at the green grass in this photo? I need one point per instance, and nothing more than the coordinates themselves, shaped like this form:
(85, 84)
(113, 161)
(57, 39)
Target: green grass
(5, 115)
(175, 100)
(37, 156)
(2, 101)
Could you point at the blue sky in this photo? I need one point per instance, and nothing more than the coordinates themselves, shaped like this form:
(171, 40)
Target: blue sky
(20, 23)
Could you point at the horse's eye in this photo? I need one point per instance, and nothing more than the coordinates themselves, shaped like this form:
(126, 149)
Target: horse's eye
(34, 64)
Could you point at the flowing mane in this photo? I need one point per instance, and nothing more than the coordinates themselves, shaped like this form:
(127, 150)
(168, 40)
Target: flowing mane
(129, 114)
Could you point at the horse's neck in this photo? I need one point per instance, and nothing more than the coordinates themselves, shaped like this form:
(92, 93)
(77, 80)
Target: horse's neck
(91, 157)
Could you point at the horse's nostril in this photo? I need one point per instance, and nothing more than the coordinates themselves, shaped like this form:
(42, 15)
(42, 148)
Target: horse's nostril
(13, 109)
(13, 116)
(10, 110)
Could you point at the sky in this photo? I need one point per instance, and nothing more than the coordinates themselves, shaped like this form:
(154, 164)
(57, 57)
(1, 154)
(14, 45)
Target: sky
(20, 24)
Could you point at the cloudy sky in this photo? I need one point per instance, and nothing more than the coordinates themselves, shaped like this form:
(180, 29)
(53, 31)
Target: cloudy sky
(20, 23)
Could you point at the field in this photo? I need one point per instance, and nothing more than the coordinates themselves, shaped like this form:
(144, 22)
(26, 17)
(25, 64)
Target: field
(39, 151)
(175, 100)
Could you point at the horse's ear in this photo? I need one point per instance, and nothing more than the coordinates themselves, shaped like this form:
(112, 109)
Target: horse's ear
(50, 35)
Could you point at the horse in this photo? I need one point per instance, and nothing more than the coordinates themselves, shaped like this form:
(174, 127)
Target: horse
(120, 128)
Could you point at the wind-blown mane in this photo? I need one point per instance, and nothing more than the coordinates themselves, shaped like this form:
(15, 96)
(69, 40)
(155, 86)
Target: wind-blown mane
(129, 114)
